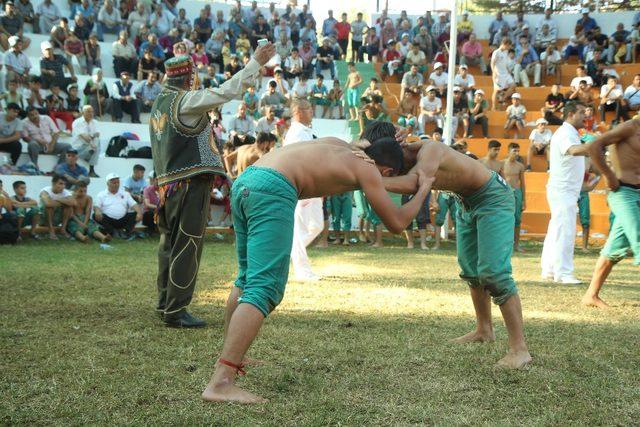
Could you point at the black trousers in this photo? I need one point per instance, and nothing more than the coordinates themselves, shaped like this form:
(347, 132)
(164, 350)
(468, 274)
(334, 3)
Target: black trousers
(14, 148)
(121, 64)
(181, 222)
(148, 221)
(552, 118)
(127, 223)
(129, 107)
(355, 50)
(483, 121)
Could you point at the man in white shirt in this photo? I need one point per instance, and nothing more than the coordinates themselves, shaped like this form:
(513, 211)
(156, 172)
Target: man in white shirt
(430, 109)
(581, 74)
(309, 213)
(268, 122)
(539, 141)
(301, 88)
(16, 62)
(632, 96)
(109, 20)
(439, 78)
(566, 175)
(503, 83)
(111, 209)
(465, 81)
(87, 138)
(549, 21)
(293, 65)
(551, 61)
(57, 203)
(611, 97)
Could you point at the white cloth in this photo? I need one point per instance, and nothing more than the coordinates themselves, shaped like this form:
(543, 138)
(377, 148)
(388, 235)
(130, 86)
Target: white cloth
(439, 80)
(56, 196)
(112, 205)
(308, 217)
(575, 82)
(464, 83)
(615, 94)
(566, 175)
(540, 138)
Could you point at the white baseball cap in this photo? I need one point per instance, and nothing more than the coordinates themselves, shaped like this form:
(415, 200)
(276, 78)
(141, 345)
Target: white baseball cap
(46, 45)
(457, 89)
(13, 40)
(430, 88)
(479, 91)
(437, 65)
(516, 95)
(541, 121)
(585, 10)
(111, 176)
(463, 66)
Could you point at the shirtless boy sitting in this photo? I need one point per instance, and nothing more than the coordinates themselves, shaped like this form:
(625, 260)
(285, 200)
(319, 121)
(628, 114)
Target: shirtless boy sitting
(263, 201)
(484, 232)
(624, 199)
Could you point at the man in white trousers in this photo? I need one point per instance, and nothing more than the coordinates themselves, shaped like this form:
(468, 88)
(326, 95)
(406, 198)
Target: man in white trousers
(566, 174)
(309, 219)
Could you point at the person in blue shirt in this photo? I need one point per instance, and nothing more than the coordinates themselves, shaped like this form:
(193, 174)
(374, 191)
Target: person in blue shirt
(328, 25)
(71, 171)
(527, 64)
(587, 22)
(135, 183)
(320, 95)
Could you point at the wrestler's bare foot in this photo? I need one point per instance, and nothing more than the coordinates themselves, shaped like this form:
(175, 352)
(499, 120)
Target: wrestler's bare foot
(322, 244)
(345, 242)
(476, 336)
(594, 301)
(377, 245)
(229, 393)
(515, 360)
(410, 245)
(424, 246)
(362, 238)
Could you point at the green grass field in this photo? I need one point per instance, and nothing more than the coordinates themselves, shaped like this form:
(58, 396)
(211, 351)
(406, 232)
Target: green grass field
(368, 345)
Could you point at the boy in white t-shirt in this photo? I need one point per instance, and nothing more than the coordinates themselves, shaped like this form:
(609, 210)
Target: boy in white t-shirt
(465, 81)
(539, 139)
(515, 115)
(301, 88)
(430, 109)
(439, 79)
(611, 96)
(57, 203)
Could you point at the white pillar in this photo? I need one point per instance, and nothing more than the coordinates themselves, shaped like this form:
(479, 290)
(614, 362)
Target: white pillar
(453, 46)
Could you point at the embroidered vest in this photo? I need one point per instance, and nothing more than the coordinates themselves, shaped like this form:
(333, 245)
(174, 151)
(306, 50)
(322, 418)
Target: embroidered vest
(180, 151)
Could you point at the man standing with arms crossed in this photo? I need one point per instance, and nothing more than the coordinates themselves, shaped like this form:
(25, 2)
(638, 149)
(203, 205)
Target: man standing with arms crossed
(566, 174)
(624, 199)
(185, 163)
(309, 213)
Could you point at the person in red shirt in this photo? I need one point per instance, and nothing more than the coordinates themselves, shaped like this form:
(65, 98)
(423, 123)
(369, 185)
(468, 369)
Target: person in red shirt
(391, 58)
(343, 28)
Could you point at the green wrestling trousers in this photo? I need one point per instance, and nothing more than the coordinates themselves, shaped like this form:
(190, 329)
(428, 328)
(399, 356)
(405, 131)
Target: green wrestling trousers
(484, 236)
(584, 209)
(517, 194)
(625, 228)
(263, 202)
(341, 211)
(446, 203)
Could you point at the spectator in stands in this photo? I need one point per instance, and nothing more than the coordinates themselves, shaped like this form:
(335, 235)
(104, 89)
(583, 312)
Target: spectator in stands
(35, 96)
(137, 19)
(55, 108)
(293, 65)
(324, 59)
(416, 57)
(52, 68)
(11, 24)
(274, 99)
(136, 183)
(619, 44)
(147, 65)
(88, 12)
(261, 30)
(251, 102)
(42, 135)
(202, 26)
(17, 63)
(167, 42)
(372, 89)
(372, 110)
(596, 66)
(124, 99)
(308, 54)
(544, 39)
(282, 29)
(220, 23)
(439, 79)
(440, 27)
(539, 139)
(430, 109)
(497, 25)
(549, 21)
(392, 60)
(519, 24)
(124, 55)
(59, 33)
(328, 25)
(25, 209)
(320, 95)
(581, 75)
(582, 93)
(81, 226)
(143, 35)
(72, 103)
(147, 92)
(611, 96)
(156, 51)
(634, 40)
(87, 138)
(213, 47)
(465, 28)
(233, 67)
(460, 112)
(48, 15)
(412, 83)
(358, 28)
(200, 58)
(371, 46)
(516, 115)
(527, 64)
(267, 123)
(241, 126)
(26, 10)
(151, 203)
(465, 82)
(10, 131)
(93, 53)
(97, 95)
(503, 84)
(81, 27)
(551, 62)
(243, 44)
(387, 33)
(471, 53)
(336, 99)
(74, 48)
(12, 96)
(478, 108)
(526, 34)
(587, 22)
(308, 32)
(57, 203)
(71, 171)
(160, 21)
(553, 104)
(425, 42)
(504, 32)
(632, 96)
(109, 20)
(113, 210)
(282, 84)
(301, 88)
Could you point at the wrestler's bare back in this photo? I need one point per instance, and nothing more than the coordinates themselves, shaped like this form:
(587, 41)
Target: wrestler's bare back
(625, 156)
(318, 168)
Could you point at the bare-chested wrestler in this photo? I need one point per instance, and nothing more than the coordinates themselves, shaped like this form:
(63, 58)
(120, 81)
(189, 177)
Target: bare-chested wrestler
(624, 200)
(263, 200)
(484, 233)
(491, 159)
(513, 173)
(246, 155)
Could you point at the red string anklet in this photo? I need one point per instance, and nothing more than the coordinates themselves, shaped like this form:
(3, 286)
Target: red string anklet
(239, 368)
